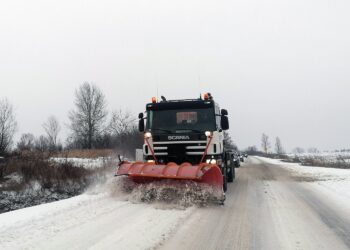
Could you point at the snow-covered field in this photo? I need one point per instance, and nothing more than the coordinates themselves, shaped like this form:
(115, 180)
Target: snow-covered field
(325, 154)
(332, 156)
(333, 179)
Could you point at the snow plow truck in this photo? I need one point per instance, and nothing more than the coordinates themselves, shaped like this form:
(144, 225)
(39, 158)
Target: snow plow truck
(184, 141)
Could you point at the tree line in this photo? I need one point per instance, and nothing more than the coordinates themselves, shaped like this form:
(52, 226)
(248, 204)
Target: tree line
(90, 126)
(266, 147)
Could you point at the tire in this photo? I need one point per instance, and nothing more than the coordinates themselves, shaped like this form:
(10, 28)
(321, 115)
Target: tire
(225, 180)
(231, 175)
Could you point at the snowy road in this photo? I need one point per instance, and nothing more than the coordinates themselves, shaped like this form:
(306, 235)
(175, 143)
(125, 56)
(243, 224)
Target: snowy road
(269, 206)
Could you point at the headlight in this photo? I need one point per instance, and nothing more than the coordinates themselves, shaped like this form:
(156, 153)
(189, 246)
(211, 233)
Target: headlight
(208, 133)
(148, 135)
(211, 161)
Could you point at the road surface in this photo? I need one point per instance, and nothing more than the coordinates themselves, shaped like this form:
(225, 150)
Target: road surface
(267, 207)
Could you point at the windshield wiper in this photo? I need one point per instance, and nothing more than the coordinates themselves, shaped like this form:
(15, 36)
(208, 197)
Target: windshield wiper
(193, 130)
(161, 129)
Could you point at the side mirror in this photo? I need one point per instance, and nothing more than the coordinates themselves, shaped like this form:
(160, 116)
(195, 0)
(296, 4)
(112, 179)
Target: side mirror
(141, 116)
(224, 123)
(141, 125)
(224, 112)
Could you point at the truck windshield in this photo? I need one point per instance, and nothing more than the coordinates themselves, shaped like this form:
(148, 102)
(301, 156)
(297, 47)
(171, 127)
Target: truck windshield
(181, 121)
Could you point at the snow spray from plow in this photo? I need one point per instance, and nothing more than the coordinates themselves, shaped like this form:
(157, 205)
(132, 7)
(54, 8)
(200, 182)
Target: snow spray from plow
(166, 193)
(199, 183)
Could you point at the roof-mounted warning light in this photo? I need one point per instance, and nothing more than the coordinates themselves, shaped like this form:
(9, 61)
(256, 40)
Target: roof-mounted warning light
(206, 96)
(154, 99)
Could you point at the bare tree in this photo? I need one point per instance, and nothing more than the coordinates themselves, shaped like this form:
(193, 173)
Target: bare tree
(52, 129)
(42, 143)
(278, 146)
(252, 150)
(265, 143)
(88, 117)
(123, 132)
(121, 122)
(8, 125)
(26, 142)
(298, 150)
(313, 150)
(228, 142)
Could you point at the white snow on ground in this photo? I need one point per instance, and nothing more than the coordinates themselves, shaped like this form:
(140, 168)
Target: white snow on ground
(89, 163)
(335, 180)
(325, 154)
(109, 220)
(89, 221)
(333, 156)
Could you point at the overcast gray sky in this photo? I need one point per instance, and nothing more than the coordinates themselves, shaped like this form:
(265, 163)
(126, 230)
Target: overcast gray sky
(279, 66)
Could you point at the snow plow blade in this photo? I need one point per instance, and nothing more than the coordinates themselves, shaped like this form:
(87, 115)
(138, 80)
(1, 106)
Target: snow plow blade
(142, 172)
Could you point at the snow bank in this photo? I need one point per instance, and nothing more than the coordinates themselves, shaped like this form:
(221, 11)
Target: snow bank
(105, 217)
(325, 156)
(89, 163)
(333, 179)
(331, 173)
(89, 221)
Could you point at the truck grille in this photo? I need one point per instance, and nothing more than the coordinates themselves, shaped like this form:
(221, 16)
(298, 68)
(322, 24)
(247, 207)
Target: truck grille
(179, 148)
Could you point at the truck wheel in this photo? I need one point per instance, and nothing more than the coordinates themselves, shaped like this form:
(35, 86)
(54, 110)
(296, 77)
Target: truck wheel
(231, 175)
(237, 164)
(225, 180)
